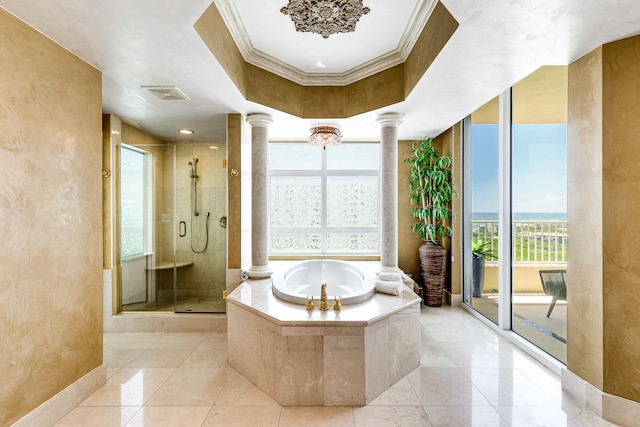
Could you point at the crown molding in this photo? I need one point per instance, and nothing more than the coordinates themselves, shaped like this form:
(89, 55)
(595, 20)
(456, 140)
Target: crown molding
(260, 59)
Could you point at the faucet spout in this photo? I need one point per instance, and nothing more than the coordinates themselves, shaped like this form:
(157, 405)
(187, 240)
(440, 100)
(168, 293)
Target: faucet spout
(323, 297)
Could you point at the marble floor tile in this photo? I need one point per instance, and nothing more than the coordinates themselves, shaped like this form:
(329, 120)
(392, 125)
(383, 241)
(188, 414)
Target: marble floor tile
(551, 417)
(480, 354)
(119, 354)
(385, 416)
(445, 386)
(194, 394)
(180, 339)
(317, 416)
(84, 416)
(147, 338)
(508, 387)
(399, 394)
(207, 354)
(189, 375)
(433, 355)
(159, 357)
(254, 416)
(239, 391)
(469, 376)
(169, 416)
(464, 416)
(128, 387)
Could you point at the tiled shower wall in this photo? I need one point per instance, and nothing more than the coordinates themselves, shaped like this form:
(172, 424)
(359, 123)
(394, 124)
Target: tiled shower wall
(206, 277)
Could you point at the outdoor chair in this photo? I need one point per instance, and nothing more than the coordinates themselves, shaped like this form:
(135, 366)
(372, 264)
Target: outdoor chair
(554, 284)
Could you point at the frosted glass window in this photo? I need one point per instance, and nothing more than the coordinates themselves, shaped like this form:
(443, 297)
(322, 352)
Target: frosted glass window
(294, 157)
(353, 243)
(352, 201)
(132, 202)
(353, 157)
(295, 201)
(324, 201)
(288, 243)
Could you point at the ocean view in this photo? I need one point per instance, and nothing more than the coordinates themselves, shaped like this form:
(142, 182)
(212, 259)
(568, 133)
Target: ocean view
(522, 216)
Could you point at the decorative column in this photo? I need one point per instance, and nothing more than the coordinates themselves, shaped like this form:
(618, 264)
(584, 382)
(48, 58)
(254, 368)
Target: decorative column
(389, 123)
(259, 196)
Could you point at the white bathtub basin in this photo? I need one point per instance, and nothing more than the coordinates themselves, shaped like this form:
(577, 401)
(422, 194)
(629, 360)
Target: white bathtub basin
(305, 278)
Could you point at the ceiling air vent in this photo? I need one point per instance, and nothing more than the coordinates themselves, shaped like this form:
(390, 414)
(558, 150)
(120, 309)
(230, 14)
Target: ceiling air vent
(167, 93)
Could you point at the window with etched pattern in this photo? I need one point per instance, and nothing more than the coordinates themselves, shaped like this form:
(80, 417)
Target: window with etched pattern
(132, 201)
(324, 202)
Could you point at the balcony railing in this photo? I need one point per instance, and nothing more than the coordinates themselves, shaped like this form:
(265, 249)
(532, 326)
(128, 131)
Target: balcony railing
(533, 242)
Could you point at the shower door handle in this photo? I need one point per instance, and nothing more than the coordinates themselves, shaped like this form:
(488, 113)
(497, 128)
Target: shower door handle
(182, 229)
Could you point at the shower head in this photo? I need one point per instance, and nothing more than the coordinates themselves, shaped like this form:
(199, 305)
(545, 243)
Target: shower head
(194, 168)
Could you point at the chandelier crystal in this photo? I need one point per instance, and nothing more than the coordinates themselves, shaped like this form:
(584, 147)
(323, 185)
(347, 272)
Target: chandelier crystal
(325, 17)
(324, 136)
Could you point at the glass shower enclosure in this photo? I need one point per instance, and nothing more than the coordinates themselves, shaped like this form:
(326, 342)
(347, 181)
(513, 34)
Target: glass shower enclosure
(172, 252)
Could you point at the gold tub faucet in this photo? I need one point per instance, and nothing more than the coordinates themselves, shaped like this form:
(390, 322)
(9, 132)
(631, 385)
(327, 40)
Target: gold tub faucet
(323, 297)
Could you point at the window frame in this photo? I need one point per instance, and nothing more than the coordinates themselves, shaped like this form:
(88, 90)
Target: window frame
(324, 230)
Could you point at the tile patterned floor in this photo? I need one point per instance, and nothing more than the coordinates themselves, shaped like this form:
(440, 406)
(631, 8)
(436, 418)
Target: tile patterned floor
(469, 376)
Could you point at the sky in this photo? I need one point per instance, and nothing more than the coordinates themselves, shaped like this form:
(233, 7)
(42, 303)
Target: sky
(539, 168)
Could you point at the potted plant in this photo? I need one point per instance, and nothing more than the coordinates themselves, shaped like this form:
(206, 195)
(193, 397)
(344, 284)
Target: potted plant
(480, 251)
(430, 193)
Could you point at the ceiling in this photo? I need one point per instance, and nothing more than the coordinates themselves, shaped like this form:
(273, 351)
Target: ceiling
(153, 43)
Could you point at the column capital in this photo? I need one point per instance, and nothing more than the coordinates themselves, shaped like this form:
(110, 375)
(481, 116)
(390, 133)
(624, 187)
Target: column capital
(259, 120)
(389, 119)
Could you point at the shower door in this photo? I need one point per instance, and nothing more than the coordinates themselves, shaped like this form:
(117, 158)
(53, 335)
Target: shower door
(147, 228)
(172, 228)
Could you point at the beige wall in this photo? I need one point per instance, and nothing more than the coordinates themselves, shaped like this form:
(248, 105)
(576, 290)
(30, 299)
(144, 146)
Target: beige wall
(450, 143)
(620, 207)
(584, 192)
(408, 241)
(50, 211)
(604, 201)
(234, 135)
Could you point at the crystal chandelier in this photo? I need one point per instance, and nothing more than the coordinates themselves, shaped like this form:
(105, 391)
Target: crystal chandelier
(324, 136)
(325, 17)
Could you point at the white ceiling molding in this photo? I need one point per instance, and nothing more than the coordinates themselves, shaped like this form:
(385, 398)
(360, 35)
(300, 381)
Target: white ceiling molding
(234, 23)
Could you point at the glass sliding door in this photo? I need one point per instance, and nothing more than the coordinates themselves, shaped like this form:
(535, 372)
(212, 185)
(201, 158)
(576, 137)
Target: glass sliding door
(515, 208)
(482, 291)
(539, 209)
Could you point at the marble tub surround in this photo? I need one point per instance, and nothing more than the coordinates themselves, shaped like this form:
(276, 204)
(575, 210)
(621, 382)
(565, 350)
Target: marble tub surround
(322, 358)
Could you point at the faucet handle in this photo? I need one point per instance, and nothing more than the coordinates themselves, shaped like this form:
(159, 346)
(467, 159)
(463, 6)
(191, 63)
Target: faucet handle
(310, 306)
(337, 306)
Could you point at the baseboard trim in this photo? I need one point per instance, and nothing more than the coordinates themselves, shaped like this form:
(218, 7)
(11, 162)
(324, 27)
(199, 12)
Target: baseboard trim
(56, 408)
(609, 407)
(454, 300)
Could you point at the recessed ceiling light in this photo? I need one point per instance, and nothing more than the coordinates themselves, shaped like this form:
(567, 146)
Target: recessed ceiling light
(186, 131)
(213, 146)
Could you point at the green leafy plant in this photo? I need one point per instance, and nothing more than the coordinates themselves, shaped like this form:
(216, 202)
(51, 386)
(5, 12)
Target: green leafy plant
(482, 249)
(430, 191)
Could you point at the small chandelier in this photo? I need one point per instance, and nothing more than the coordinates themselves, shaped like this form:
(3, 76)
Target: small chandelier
(325, 17)
(324, 136)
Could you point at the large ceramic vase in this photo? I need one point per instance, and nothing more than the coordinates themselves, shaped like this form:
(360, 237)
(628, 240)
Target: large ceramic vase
(478, 276)
(433, 263)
